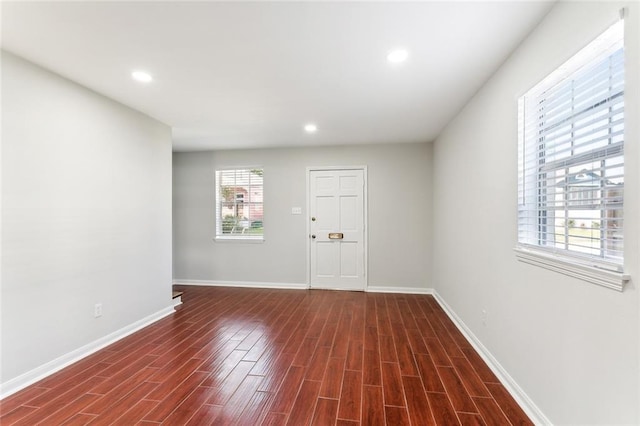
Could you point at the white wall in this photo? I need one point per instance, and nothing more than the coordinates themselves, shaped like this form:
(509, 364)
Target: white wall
(86, 216)
(573, 347)
(399, 181)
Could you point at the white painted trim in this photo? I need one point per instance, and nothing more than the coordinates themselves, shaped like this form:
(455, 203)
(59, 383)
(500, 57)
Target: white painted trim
(526, 403)
(177, 301)
(308, 229)
(592, 274)
(336, 288)
(365, 212)
(247, 284)
(402, 290)
(14, 385)
(239, 239)
(296, 286)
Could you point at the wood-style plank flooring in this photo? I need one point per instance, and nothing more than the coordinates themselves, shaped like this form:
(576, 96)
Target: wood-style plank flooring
(238, 356)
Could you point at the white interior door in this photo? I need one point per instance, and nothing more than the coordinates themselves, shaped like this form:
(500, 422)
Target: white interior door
(337, 246)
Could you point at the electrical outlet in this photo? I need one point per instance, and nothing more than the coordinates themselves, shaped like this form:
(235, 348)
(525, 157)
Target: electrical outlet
(484, 317)
(97, 310)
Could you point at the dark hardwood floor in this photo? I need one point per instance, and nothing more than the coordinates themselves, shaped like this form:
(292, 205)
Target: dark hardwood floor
(275, 357)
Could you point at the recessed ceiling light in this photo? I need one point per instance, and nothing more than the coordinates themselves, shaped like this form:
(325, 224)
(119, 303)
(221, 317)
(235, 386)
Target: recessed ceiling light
(142, 76)
(310, 128)
(397, 56)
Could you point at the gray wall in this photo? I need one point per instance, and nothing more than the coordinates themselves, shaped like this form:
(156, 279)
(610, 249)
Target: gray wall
(399, 181)
(86, 216)
(571, 345)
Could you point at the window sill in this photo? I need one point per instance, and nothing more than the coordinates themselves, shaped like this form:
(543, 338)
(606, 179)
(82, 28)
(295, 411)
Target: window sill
(599, 276)
(249, 240)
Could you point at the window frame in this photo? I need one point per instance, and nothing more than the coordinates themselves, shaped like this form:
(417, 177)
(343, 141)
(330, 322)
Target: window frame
(536, 243)
(219, 236)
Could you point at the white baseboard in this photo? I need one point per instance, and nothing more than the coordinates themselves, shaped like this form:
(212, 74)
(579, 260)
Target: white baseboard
(14, 385)
(532, 410)
(248, 284)
(296, 286)
(402, 290)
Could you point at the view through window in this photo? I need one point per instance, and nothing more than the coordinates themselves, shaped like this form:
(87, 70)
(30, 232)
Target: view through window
(239, 204)
(571, 156)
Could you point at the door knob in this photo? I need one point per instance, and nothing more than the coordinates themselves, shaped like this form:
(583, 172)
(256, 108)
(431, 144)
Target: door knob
(313, 236)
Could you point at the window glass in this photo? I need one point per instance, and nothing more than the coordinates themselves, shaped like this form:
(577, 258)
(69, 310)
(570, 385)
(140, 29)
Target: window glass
(571, 156)
(239, 204)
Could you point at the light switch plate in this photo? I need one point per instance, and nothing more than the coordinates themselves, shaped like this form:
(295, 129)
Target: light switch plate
(296, 210)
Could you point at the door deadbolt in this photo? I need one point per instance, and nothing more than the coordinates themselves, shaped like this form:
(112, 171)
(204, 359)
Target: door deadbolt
(313, 219)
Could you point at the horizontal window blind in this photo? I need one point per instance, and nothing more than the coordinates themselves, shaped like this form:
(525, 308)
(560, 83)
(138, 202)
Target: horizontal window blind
(571, 156)
(239, 204)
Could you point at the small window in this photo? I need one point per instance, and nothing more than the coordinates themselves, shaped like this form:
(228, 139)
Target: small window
(239, 204)
(571, 158)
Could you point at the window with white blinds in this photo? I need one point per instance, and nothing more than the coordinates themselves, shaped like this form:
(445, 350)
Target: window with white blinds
(571, 157)
(239, 204)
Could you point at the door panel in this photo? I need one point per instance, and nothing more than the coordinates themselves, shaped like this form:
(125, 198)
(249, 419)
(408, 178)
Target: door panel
(349, 213)
(336, 199)
(326, 264)
(348, 255)
(348, 183)
(326, 210)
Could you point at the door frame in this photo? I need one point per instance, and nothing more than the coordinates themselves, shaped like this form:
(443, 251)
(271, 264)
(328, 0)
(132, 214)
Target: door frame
(365, 213)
